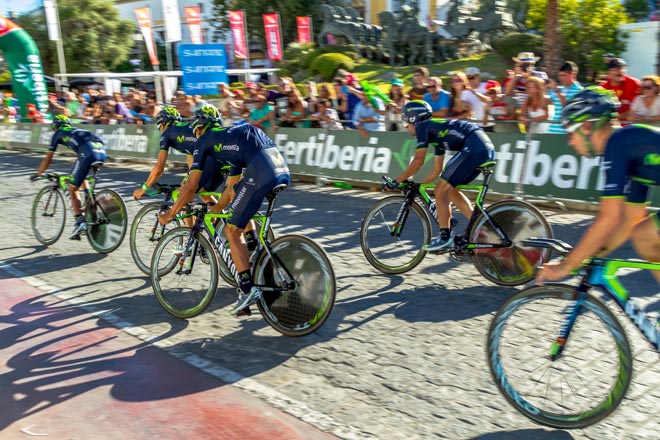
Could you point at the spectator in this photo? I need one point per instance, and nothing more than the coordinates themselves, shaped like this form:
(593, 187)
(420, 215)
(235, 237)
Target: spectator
(269, 94)
(397, 101)
(263, 114)
(437, 98)
(476, 98)
(222, 103)
(418, 90)
(535, 109)
(352, 98)
(122, 114)
(198, 102)
(281, 99)
(326, 116)
(296, 111)
(562, 92)
(646, 107)
(235, 105)
(184, 105)
(341, 98)
(71, 104)
(33, 114)
(625, 87)
(516, 83)
(496, 109)
(367, 115)
(312, 96)
(251, 100)
(459, 109)
(152, 109)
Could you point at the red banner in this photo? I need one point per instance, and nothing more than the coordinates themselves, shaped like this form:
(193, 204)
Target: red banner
(273, 36)
(144, 22)
(194, 20)
(304, 29)
(238, 33)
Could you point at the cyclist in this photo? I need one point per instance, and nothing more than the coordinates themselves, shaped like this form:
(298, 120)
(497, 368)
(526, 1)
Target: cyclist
(472, 146)
(631, 162)
(249, 153)
(90, 150)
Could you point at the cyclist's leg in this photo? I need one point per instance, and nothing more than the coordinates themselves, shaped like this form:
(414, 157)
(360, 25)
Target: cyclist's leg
(78, 174)
(646, 240)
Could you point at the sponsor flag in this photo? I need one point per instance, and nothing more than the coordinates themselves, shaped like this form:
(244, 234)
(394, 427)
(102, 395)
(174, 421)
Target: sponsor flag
(273, 36)
(51, 20)
(238, 33)
(172, 20)
(144, 22)
(304, 29)
(194, 19)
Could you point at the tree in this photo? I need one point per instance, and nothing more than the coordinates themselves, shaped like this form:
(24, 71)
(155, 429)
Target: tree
(288, 10)
(94, 37)
(552, 43)
(638, 10)
(589, 28)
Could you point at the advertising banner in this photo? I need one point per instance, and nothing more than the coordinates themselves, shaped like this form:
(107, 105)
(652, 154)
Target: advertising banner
(304, 29)
(273, 36)
(204, 66)
(172, 20)
(194, 19)
(143, 16)
(239, 34)
(51, 20)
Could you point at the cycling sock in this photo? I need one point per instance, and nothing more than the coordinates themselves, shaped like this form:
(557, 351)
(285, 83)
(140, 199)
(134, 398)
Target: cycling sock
(245, 281)
(445, 233)
(251, 239)
(78, 218)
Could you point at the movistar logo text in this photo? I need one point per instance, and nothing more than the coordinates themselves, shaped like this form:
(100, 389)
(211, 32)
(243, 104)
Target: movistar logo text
(217, 147)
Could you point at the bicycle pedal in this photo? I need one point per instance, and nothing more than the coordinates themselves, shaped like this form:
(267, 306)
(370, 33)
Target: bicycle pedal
(75, 237)
(245, 312)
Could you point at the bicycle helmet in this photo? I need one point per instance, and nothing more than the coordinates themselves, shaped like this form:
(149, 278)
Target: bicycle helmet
(591, 104)
(415, 112)
(168, 115)
(60, 121)
(206, 116)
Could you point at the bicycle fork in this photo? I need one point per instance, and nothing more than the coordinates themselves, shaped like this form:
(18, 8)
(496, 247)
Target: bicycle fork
(571, 313)
(401, 217)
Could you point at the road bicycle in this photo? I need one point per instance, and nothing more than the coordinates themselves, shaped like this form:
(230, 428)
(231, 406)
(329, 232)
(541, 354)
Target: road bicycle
(103, 211)
(294, 273)
(146, 231)
(396, 229)
(558, 353)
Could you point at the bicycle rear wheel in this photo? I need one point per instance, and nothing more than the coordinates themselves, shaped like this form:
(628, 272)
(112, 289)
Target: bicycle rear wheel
(145, 234)
(48, 215)
(517, 264)
(184, 285)
(390, 253)
(106, 221)
(575, 389)
(303, 309)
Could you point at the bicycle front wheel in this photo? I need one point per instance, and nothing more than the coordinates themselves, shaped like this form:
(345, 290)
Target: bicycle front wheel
(48, 215)
(517, 264)
(304, 308)
(572, 390)
(145, 234)
(389, 252)
(183, 284)
(106, 221)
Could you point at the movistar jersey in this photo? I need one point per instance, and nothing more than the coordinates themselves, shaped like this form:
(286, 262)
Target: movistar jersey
(239, 147)
(443, 134)
(178, 136)
(632, 162)
(81, 142)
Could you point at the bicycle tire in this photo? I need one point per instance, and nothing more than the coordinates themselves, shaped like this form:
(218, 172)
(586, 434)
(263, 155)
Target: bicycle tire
(516, 265)
(521, 378)
(48, 214)
(395, 255)
(143, 238)
(303, 310)
(183, 294)
(107, 221)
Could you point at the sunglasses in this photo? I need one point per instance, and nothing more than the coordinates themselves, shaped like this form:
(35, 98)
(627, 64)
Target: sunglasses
(431, 87)
(457, 81)
(471, 77)
(648, 87)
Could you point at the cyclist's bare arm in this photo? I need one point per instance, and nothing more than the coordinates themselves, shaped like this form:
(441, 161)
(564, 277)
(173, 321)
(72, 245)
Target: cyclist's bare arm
(438, 162)
(45, 163)
(632, 215)
(414, 166)
(154, 175)
(186, 195)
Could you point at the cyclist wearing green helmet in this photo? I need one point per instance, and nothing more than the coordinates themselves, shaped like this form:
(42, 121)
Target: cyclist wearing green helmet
(631, 163)
(90, 150)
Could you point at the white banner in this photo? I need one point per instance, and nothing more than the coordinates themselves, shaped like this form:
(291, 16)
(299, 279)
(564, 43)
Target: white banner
(172, 20)
(51, 20)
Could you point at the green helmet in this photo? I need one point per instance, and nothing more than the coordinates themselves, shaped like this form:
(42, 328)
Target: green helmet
(168, 115)
(206, 116)
(590, 104)
(60, 121)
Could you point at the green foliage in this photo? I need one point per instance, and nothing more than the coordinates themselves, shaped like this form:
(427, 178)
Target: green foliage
(589, 28)
(511, 45)
(327, 64)
(295, 56)
(638, 10)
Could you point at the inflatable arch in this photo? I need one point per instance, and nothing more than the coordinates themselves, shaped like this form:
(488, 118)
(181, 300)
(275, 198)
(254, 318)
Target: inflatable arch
(27, 73)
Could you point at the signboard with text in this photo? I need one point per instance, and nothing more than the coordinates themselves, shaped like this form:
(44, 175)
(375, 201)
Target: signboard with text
(204, 66)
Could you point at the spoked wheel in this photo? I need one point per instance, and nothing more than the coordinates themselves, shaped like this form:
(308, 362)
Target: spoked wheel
(574, 389)
(48, 215)
(517, 264)
(183, 284)
(106, 221)
(145, 234)
(394, 252)
(306, 305)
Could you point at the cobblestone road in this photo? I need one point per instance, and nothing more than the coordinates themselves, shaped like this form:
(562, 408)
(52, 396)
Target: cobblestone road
(402, 357)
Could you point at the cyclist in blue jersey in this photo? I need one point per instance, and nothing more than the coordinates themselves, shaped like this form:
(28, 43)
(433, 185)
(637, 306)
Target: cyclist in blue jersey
(631, 162)
(255, 168)
(472, 147)
(90, 150)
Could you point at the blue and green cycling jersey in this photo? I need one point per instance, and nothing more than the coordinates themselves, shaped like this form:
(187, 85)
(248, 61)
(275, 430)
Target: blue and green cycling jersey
(444, 134)
(82, 142)
(178, 136)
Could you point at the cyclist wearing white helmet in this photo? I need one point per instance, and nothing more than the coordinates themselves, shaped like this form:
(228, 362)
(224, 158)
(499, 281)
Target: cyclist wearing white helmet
(631, 162)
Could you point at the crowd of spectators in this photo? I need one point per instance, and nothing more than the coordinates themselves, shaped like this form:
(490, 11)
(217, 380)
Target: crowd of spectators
(525, 99)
